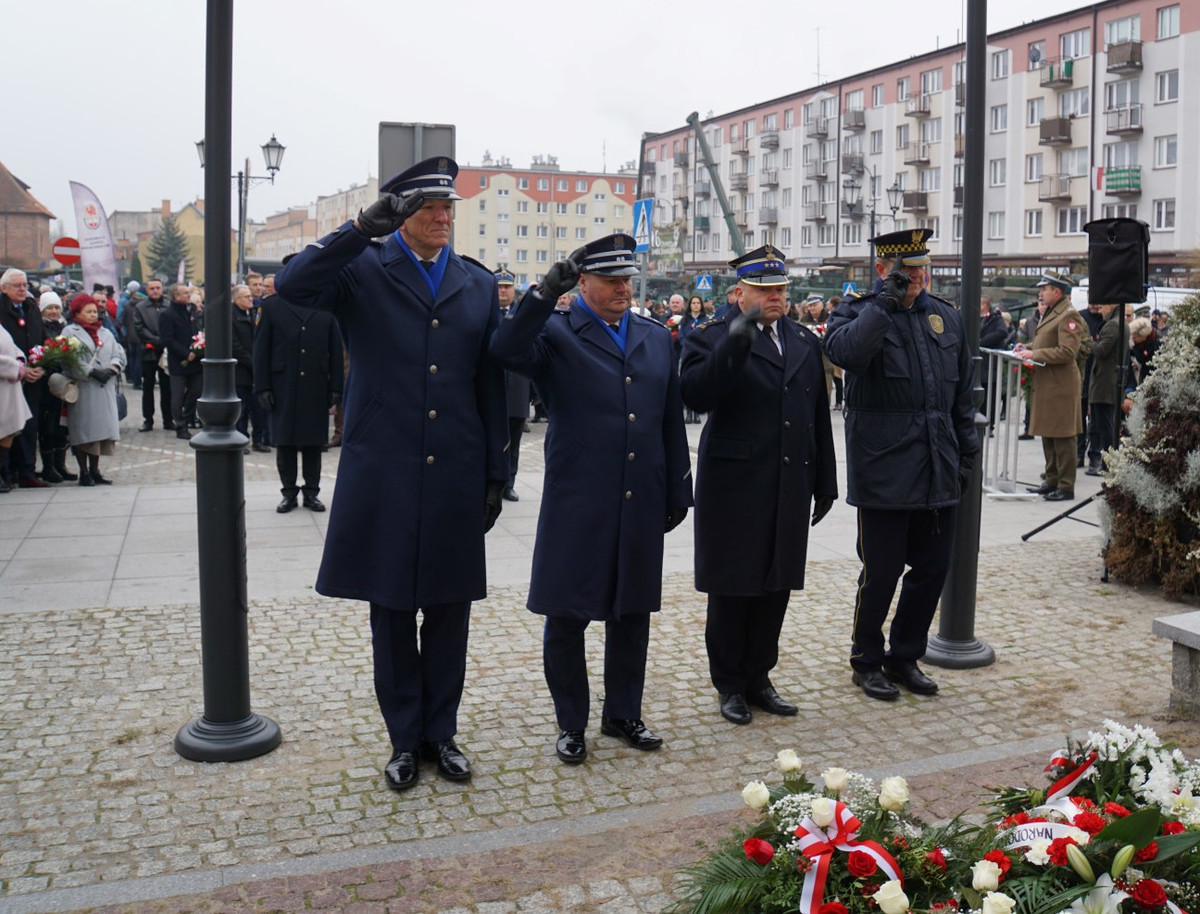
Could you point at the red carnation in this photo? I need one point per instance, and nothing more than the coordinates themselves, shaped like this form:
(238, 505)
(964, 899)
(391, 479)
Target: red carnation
(759, 851)
(1174, 828)
(1083, 802)
(1089, 822)
(1116, 810)
(832, 907)
(1001, 860)
(935, 858)
(1019, 818)
(1149, 852)
(1058, 850)
(1148, 894)
(861, 864)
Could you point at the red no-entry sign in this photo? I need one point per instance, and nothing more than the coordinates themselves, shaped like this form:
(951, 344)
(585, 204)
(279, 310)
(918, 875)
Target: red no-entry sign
(66, 251)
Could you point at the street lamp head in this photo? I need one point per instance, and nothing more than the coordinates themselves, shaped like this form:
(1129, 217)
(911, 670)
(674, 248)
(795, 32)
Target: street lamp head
(200, 151)
(273, 153)
(851, 189)
(895, 195)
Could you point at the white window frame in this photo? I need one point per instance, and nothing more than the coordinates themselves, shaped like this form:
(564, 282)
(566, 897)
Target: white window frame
(999, 118)
(997, 172)
(1164, 79)
(1166, 151)
(1168, 21)
(996, 225)
(1164, 215)
(1001, 63)
(1033, 223)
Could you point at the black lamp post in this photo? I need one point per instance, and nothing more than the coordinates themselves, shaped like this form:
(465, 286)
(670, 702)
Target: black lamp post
(273, 155)
(228, 731)
(851, 189)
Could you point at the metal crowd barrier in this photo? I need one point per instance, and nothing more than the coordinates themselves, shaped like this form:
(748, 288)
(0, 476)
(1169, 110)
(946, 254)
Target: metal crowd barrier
(1003, 406)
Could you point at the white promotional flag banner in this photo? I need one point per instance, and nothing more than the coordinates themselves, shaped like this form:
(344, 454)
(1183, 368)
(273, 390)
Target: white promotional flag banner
(98, 261)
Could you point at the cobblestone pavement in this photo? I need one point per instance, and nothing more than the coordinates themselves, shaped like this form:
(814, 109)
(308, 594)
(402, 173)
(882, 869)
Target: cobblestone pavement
(97, 809)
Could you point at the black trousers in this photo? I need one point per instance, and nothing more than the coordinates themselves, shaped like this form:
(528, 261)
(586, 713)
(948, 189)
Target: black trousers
(742, 637)
(185, 391)
(563, 656)
(887, 541)
(285, 463)
(516, 428)
(419, 685)
(1100, 430)
(150, 371)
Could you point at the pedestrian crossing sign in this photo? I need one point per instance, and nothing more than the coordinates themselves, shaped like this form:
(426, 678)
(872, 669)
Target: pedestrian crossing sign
(704, 283)
(643, 213)
(847, 289)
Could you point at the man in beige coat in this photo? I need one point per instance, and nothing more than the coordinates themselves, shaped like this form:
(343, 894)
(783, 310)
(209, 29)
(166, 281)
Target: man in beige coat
(1056, 414)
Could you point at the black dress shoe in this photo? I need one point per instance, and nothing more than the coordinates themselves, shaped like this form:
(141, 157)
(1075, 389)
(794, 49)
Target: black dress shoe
(183, 434)
(313, 503)
(260, 449)
(875, 685)
(31, 482)
(510, 495)
(1025, 437)
(451, 763)
(634, 732)
(85, 479)
(909, 675)
(402, 772)
(288, 504)
(100, 480)
(1043, 489)
(1094, 471)
(1060, 495)
(733, 708)
(50, 475)
(571, 747)
(147, 425)
(169, 425)
(768, 699)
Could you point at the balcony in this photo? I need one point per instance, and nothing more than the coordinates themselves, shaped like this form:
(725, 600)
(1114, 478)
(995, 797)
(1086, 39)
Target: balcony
(815, 212)
(768, 177)
(740, 147)
(768, 215)
(959, 195)
(739, 182)
(1124, 121)
(740, 218)
(1054, 187)
(769, 139)
(702, 188)
(681, 160)
(854, 119)
(960, 94)
(680, 192)
(915, 201)
(960, 145)
(916, 154)
(852, 163)
(1057, 74)
(917, 106)
(1054, 131)
(818, 128)
(700, 224)
(818, 171)
(1123, 182)
(1124, 57)
(852, 210)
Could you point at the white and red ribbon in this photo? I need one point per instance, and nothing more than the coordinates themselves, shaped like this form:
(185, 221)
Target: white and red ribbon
(818, 844)
(1064, 785)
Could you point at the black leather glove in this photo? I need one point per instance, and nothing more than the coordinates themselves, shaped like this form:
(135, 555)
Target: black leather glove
(743, 327)
(675, 517)
(493, 501)
(821, 507)
(266, 400)
(563, 276)
(335, 397)
(965, 466)
(388, 213)
(100, 375)
(895, 289)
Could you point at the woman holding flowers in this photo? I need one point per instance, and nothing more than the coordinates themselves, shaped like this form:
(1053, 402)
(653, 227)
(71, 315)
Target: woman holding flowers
(14, 411)
(93, 427)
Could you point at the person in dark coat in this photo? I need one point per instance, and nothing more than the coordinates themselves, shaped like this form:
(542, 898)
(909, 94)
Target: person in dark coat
(423, 466)
(516, 391)
(910, 448)
(765, 453)
(1102, 387)
(178, 324)
(22, 318)
(297, 378)
(243, 355)
(150, 349)
(618, 477)
(993, 332)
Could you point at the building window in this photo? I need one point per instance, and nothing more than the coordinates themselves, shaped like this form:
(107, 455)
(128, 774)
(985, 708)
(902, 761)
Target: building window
(522, 255)
(1075, 102)
(1165, 151)
(1075, 44)
(1033, 167)
(931, 81)
(902, 88)
(785, 237)
(806, 236)
(522, 231)
(522, 206)
(544, 183)
(581, 234)
(934, 224)
(482, 230)
(580, 209)
(1120, 155)
(998, 172)
(1119, 211)
(1121, 94)
(931, 130)
(599, 196)
(1037, 55)
(1033, 223)
(542, 256)
(543, 207)
(1073, 162)
(771, 121)
(930, 179)
(1000, 64)
(999, 118)
(1168, 21)
(1071, 220)
(957, 227)
(483, 180)
(826, 235)
(876, 141)
(561, 184)
(852, 233)
(561, 208)
(581, 186)
(618, 212)
(902, 136)
(1167, 86)
(543, 231)
(877, 95)
(787, 158)
(1035, 110)
(598, 220)
(1118, 31)
(1164, 215)
(996, 225)
(619, 187)
(482, 205)
(522, 184)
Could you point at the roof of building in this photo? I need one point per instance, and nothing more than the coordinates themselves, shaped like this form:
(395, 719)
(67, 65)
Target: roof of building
(16, 198)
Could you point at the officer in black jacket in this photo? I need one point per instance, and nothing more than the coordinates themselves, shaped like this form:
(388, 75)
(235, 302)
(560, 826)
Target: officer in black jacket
(177, 326)
(910, 444)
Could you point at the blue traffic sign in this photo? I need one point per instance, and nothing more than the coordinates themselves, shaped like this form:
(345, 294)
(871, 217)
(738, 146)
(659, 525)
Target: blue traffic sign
(643, 219)
(704, 283)
(848, 288)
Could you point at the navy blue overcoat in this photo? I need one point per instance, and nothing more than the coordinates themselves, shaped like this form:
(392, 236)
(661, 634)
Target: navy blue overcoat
(616, 457)
(425, 424)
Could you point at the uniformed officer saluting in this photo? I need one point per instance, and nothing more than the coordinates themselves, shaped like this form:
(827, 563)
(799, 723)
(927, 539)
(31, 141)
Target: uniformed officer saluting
(423, 464)
(618, 476)
(910, 442)
(765, 452)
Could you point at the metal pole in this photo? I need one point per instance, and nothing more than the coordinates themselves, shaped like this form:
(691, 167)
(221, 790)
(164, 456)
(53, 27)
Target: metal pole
(955, 644)
(243, 179)
(228, 731)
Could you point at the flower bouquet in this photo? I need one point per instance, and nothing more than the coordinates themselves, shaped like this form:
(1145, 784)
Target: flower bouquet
(673, 324)
(849, 847)
(197, 346)
(64, 353)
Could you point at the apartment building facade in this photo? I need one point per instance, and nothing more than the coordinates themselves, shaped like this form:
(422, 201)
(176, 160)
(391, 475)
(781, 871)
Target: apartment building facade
(1087, 118)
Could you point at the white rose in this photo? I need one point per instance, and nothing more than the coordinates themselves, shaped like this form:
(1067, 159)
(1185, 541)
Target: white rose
(1081, 837)
(788, 760)
(998, 903)
(822, 811)
(891, 898)
(1038, 853)
(756, 795)
(893, 794)
(985, 876)
(835, 779)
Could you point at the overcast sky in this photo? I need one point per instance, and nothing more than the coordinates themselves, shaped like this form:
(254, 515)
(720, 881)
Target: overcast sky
(111, 94)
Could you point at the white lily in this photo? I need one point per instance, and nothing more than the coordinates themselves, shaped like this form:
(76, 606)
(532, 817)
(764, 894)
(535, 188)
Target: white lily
(1103, 899)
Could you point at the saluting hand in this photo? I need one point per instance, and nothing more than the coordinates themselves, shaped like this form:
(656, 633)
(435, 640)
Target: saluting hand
(562, 277)
(743, 327)
(895, 289)
(388, 213)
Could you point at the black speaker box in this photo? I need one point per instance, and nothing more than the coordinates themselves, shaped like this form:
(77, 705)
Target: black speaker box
(1118, 261)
